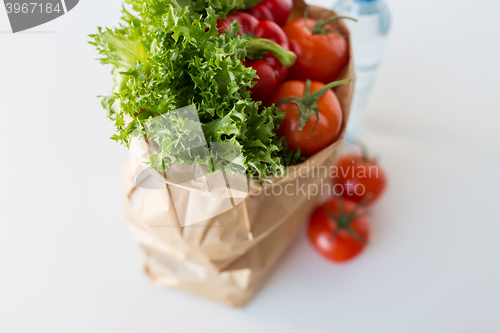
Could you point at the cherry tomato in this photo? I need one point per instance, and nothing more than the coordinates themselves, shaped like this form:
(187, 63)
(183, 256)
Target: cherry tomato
(321, 54)
(327, 127)
(360, 176)
(338, 231)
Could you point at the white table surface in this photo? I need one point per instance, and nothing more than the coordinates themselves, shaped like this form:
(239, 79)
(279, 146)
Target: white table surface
(68, 263)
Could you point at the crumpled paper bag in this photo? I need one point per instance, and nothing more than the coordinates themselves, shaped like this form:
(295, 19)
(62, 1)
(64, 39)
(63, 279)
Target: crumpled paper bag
(225, 258)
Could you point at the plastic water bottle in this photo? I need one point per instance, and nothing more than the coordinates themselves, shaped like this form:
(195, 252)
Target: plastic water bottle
(368, 38)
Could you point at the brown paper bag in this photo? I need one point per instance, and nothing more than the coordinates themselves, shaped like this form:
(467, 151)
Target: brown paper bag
(227, 257)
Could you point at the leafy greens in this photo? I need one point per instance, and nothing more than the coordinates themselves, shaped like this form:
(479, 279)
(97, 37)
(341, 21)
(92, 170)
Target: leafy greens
(169, 55)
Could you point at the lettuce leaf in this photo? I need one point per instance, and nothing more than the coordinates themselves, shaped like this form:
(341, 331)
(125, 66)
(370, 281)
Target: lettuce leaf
(169, 55)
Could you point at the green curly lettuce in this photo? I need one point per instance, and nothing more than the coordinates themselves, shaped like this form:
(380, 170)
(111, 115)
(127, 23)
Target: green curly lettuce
(170, 55)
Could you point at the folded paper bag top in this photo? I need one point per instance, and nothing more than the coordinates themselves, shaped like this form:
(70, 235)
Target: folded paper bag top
(197, 194)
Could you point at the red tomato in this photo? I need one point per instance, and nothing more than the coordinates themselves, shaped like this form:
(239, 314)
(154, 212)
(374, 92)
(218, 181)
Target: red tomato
(360, 176)
(327, 128)
(338, 231)
(321, 56)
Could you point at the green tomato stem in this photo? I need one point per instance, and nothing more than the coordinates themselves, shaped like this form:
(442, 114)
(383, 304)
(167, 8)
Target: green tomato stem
(364, 151)
(308, 103)
(315, 96)
(319, 27)
(344, 221)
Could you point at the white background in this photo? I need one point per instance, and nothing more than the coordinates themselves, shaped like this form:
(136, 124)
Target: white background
(68, 263)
